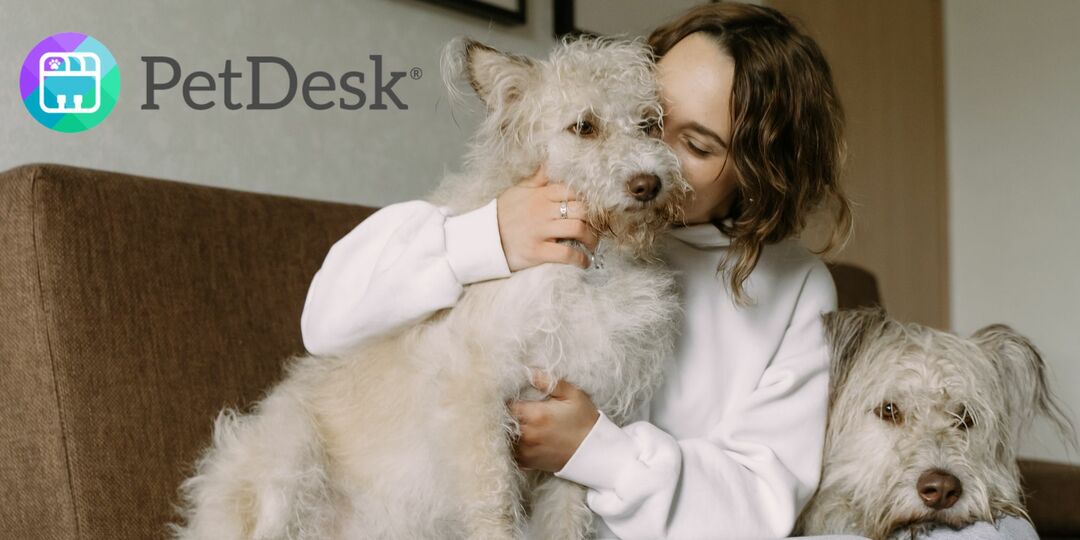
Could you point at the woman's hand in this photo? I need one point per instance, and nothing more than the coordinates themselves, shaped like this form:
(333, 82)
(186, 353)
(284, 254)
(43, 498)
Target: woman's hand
(552, 429)
(529, 224)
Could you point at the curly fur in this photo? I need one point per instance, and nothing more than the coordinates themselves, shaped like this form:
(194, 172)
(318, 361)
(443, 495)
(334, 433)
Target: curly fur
(873, 462)
(408, 436)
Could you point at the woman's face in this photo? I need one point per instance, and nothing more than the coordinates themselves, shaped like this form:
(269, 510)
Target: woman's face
(695, 89)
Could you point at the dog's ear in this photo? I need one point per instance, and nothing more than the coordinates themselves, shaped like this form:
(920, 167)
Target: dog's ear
(849, 332)
(498, 78)
(1023, 373)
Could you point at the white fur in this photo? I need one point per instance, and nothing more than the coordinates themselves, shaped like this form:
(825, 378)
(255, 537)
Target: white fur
(872, 464)
(409, 436)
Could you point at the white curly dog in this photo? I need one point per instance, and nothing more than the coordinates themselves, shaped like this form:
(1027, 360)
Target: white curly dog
(923, 427)
(409, 436)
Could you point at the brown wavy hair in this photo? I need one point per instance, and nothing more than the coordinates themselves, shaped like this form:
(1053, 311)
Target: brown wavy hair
(787, 140)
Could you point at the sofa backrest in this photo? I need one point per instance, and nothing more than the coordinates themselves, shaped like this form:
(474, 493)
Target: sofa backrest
(131, 311)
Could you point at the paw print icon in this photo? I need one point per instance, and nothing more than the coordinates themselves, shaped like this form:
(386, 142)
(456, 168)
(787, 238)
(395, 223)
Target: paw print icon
(70, 82)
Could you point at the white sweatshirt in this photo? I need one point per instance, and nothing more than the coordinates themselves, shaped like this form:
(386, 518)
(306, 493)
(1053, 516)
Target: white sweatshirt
(732, 442)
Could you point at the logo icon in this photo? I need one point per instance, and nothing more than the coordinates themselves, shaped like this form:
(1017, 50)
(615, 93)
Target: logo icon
(69, 82)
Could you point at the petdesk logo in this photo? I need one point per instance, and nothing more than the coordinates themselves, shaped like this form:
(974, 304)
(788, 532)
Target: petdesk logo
(320, 90)
(69, 82)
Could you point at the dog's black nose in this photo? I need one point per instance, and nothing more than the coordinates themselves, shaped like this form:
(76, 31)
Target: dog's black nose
(644, 187)
(938, 489)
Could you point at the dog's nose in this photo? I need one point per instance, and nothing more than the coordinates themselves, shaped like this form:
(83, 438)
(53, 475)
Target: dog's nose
(644, 187)
(939, 489)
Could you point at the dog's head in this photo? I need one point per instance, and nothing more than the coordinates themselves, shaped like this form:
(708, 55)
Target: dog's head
(923, 424)
(591, 115)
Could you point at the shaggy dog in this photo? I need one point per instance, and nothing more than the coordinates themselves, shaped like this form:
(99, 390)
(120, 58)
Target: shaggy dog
(409, 436)
(923, 426)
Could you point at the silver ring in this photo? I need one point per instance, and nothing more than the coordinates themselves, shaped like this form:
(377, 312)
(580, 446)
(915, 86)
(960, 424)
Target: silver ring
(562, 210)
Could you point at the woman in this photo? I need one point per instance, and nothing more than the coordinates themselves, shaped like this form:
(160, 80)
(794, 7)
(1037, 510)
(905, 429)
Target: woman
(731, 444)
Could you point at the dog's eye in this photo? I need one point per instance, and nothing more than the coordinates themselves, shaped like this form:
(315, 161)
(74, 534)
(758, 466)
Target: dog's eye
(889, 412)
(583, 128)
(964, 420)
(650, 126)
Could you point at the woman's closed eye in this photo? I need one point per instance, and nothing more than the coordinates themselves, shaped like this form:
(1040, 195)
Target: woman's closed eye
(697, 149)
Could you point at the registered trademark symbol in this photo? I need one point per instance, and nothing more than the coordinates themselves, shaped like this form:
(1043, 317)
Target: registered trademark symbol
(416, 73)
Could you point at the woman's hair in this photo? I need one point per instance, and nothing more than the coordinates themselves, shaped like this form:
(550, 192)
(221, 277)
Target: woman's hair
(787, 141)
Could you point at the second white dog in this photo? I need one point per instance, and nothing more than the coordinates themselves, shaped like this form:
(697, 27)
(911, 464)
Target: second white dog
(923, 427)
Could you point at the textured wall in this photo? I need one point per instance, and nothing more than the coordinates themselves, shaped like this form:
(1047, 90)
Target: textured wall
(1014, 168)
(374, 157)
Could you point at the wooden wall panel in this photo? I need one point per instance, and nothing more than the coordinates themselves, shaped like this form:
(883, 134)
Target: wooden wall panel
(887, 60)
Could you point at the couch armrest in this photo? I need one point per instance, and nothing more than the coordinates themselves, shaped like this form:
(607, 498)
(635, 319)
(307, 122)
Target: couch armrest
(1053, 497)
(36, 499)
(131, 311)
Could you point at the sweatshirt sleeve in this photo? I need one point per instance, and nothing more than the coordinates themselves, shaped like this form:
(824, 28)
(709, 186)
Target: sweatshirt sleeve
(398, 266)
(750, 476)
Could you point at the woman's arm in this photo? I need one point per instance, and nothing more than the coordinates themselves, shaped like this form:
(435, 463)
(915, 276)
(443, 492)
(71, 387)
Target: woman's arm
(400, 265)
(749, 477)
(411, 259)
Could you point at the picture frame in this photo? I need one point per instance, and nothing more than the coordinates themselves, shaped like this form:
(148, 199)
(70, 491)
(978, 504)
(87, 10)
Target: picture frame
(507, 12)
(636, 17)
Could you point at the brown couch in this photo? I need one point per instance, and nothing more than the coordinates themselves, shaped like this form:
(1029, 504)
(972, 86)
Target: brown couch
(133, 309)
